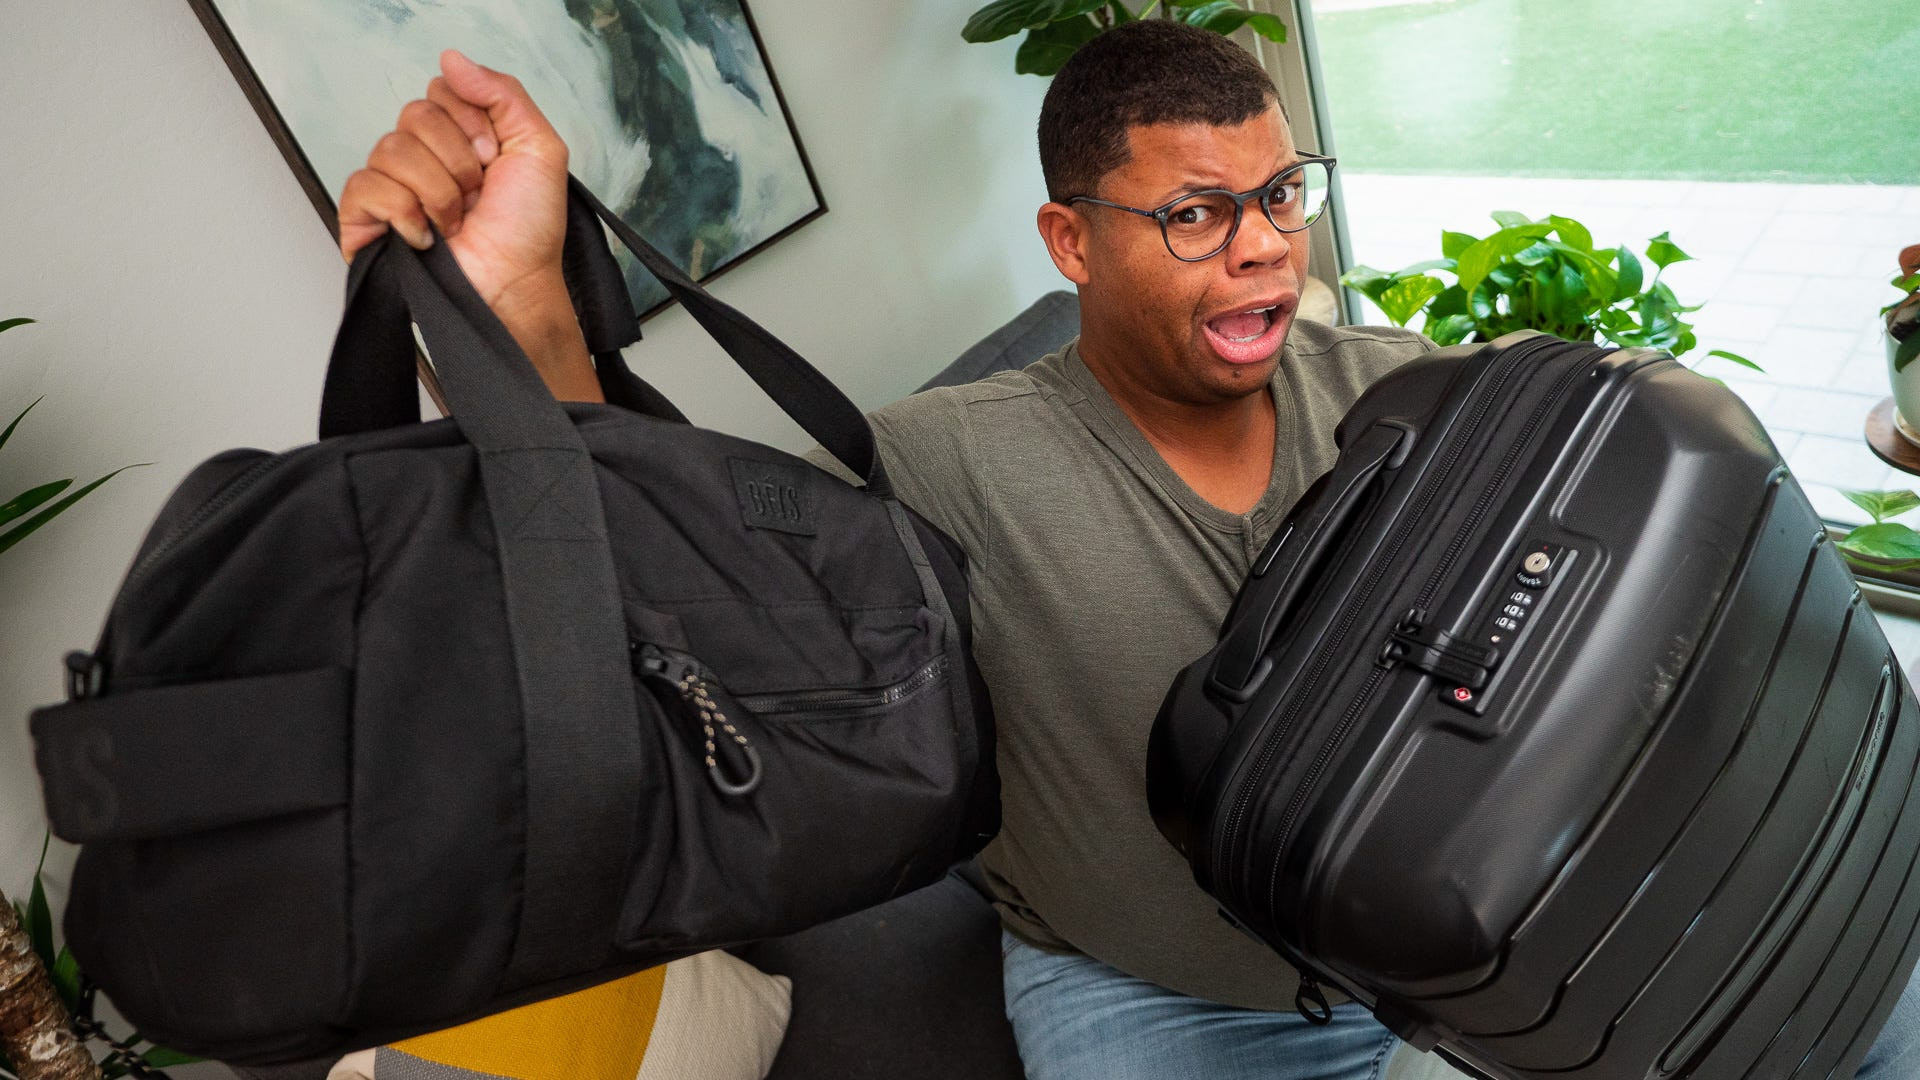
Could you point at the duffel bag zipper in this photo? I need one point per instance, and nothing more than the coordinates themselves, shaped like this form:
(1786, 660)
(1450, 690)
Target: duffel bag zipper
(692, 685)
(845, 703)
(1456, 448)
(227, 493)
(695, 686)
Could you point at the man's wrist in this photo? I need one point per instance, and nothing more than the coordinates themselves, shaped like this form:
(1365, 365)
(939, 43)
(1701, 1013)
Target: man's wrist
(540, 316)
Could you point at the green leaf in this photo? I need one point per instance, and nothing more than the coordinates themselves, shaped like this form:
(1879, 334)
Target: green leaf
(1407, 296)
(1663, 252)
(1904, 355)
(1451, 302)
(1569, 307)
(1571, 231)
(161, 1057)
(1423, 267)
(1479, 259)
(1511, 219)
(39, 923)
(1632, 275)
(65, 974)
(1268, 26)
(1226, 16)
(1048, 47)
(1881, 505)
(1005, 18)
(24, 529)
(1884, 541)
(29, 499)
(1368, 282)
(1453, 243)
(1534, 254)
(8, 434)
(8, 324)
(1451, 330)
(1121, 16)
(1736, 358)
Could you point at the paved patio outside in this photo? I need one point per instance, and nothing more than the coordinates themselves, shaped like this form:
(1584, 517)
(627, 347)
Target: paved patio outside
(1792, 276)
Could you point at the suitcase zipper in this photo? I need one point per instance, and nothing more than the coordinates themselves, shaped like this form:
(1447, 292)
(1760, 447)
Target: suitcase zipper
(1456, 448)
(1331, 746)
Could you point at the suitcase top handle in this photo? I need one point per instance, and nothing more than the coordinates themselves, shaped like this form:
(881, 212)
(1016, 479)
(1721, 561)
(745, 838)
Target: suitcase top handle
(1298, 552)
(370, 377)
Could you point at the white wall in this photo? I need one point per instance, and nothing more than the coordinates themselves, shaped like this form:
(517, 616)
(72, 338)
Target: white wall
(187, 293)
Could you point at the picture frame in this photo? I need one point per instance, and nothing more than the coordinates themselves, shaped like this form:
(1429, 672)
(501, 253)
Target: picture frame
(670, 108)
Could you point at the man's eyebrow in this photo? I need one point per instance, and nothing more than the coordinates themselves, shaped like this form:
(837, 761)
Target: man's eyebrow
(1217, 184)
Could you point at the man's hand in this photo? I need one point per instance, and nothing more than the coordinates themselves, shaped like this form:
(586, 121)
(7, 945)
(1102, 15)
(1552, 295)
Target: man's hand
(478, 159)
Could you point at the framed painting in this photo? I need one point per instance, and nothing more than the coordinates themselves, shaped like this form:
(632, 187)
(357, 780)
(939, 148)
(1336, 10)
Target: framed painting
(669, 108)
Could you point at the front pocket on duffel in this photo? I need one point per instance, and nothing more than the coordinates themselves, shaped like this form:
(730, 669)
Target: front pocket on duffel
(791, 807)
(683, 684)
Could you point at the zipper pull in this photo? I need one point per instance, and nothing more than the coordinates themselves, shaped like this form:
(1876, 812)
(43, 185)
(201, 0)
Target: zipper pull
(1320, 1014)
(692, 685)
(86, 675)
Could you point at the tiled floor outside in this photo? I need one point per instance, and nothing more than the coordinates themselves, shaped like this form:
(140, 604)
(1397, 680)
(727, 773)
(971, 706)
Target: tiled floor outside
(1792, 276)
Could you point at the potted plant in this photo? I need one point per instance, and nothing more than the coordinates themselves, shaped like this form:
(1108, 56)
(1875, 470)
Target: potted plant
(1902, 320)
(1056, 28)
(1539, 275)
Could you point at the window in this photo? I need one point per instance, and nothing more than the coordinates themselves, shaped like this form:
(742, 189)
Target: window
(1772, 139)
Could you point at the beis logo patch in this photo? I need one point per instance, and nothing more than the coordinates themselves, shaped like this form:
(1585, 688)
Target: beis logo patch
(774, 495)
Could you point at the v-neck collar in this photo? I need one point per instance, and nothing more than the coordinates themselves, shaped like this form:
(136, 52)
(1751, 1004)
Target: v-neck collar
(1111, 424)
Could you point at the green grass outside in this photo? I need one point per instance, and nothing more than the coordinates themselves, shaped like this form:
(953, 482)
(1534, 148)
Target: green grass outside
(1797, 91)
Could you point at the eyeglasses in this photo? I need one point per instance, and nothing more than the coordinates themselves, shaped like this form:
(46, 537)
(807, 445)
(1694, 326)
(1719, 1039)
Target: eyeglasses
(1200, 225)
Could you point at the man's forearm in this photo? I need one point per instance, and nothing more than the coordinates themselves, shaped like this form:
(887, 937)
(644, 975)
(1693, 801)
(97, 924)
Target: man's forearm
(541, 319)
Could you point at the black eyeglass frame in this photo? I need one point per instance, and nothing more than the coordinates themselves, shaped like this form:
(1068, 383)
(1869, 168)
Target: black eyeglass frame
(1240, 200)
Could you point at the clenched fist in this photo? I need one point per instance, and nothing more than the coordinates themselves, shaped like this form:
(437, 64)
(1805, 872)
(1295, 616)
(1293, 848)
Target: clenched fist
(478, 159)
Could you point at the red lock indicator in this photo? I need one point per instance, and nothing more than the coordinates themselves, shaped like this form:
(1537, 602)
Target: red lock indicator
(1462, 695)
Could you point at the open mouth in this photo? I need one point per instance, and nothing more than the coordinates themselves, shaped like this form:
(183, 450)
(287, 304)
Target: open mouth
(1247, 337)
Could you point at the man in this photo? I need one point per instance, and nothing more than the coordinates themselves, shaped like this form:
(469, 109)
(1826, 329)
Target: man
(1110, 497)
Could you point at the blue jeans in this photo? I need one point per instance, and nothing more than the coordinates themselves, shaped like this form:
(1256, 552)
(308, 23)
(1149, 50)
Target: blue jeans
(1075, 1018)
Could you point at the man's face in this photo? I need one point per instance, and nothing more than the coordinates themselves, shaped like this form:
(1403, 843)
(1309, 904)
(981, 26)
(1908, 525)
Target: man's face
(1202, 332)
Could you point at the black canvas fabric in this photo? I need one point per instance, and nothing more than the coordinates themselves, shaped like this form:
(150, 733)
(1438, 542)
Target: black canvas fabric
(1552, 727)
(427, 720)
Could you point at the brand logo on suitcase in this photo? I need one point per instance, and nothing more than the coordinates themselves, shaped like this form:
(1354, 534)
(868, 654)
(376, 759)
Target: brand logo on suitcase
(773, 495)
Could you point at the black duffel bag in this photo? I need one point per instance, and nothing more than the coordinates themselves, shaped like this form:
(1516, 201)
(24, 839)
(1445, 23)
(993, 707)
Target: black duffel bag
(427, 720)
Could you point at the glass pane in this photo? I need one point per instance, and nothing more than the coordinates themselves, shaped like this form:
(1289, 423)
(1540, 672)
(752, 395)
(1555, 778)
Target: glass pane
(1775, 141)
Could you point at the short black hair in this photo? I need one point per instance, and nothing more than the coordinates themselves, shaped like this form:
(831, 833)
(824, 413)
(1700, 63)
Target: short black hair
(1153, 71)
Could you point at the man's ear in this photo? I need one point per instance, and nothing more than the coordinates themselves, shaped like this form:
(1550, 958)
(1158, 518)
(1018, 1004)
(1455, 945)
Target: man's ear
(1065, 231)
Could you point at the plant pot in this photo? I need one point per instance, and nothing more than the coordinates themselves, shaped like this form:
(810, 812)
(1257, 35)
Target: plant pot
(1906, 393)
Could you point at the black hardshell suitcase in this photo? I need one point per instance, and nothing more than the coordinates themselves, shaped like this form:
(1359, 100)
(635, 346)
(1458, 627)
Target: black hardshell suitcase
(1551, 726)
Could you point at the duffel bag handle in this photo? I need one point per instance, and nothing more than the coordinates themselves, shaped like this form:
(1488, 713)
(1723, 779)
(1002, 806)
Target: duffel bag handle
(564, 620)
(1297, 554)
(370, 385)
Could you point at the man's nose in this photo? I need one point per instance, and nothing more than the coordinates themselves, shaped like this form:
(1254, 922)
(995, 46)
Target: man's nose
(1258, 243)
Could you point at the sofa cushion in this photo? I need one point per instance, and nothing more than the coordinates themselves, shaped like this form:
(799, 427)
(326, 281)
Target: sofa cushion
(1044, 327)
(909, 988)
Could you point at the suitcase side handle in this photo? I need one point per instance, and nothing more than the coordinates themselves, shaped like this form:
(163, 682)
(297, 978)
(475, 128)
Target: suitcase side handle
(1240, 665)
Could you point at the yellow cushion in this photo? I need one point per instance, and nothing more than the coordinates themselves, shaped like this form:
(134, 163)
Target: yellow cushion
(661, 1022)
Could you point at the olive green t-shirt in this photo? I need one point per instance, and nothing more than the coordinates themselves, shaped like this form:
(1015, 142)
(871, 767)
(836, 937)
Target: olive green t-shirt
(1096, 575)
